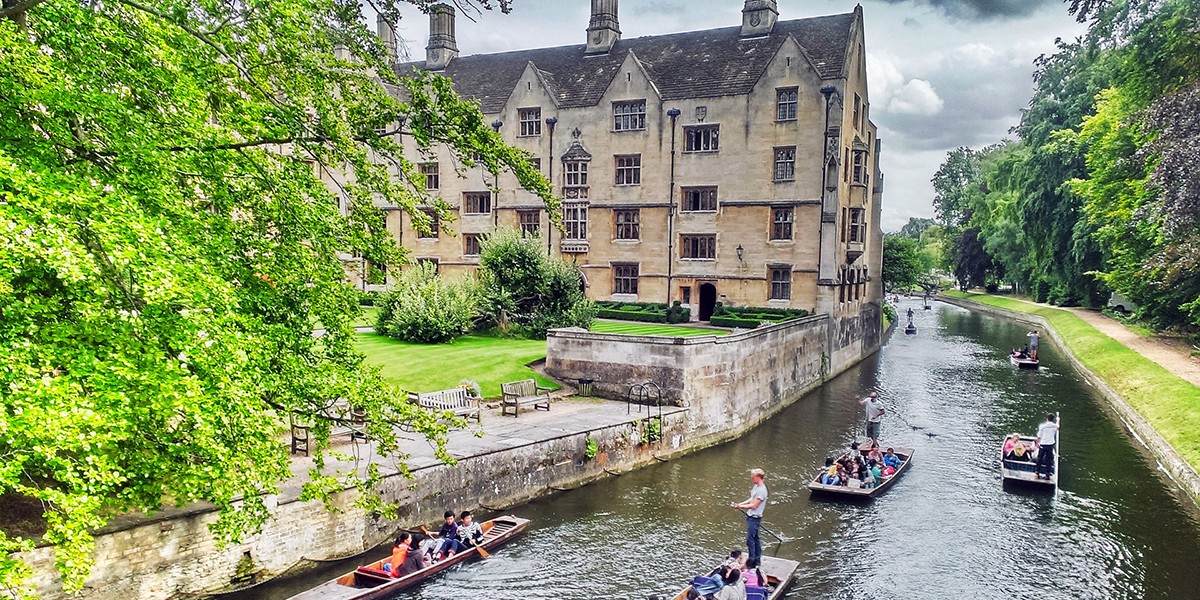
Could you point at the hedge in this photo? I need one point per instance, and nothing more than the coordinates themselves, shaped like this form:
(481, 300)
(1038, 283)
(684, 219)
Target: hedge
(632, 315)
(643, 312)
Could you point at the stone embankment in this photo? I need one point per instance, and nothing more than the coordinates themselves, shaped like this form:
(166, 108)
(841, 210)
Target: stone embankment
(715, 389)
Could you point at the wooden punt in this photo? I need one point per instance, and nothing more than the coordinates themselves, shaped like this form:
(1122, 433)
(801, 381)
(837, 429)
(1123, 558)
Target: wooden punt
(780, 573)
(366, 582)
(1025, 472)
(818, 488)
(1024, 363)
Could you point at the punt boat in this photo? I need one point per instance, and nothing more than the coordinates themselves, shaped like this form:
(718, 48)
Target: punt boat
(1025, 471)
(369, 582)
(851, 492)
(780, 572)
(1024, 363)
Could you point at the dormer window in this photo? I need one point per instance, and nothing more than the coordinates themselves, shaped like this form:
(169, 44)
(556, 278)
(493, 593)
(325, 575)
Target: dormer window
(575, 173)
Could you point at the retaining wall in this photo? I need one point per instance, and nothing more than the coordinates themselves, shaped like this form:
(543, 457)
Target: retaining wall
(728, 383)
(1176, 467)
(725, 386)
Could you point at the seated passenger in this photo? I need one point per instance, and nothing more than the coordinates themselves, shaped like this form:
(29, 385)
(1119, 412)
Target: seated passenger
(829, 475)
(417, 560)
(1020, 452)
(448, 536)
(890, 459)
(469, 533)
(735, 560)
(868, 479)
(753, 576)
(710, 586)
(854, 453)
(735, 588)
(1009, 443)
(399, 554)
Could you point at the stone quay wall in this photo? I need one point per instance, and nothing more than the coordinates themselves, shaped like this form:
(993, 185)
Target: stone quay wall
(730, 383)
(718, 388)
(176, 557)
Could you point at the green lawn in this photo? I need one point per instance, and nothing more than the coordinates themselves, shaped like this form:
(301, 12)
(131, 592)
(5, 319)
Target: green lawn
(636, 328)
(429, 367)
(1170, 404)
(368, 317)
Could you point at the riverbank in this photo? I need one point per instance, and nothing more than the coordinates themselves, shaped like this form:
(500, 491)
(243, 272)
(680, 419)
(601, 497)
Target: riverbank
(708, 389)
(1161, 408)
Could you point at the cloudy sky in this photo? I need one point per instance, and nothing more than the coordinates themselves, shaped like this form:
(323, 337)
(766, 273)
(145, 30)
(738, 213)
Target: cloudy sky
(942, 73)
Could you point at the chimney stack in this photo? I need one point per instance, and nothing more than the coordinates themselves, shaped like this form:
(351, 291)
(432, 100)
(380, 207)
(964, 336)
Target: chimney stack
(758, 17)
(441, 49)
(387, 36)
(603, 30)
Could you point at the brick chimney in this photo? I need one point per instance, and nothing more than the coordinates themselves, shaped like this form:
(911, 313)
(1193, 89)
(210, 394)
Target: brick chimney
(603, 30)
(387, 36)
(441, 49)
(758, 17)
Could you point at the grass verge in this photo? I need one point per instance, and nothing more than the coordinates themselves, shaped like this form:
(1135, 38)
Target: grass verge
(488, 360)
(1169, 403)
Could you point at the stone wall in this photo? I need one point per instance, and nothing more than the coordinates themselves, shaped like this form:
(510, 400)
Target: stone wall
(728, 383)
(721, 386)
(176, 557)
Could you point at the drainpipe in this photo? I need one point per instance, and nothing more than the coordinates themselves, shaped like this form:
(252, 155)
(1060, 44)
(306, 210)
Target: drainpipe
(674, 114)
(496, 125)
(550, 123)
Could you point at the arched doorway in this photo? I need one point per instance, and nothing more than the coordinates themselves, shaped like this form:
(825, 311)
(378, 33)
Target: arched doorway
(708, 300)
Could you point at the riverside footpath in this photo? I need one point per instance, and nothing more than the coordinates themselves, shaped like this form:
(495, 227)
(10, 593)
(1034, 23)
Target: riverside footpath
(1153, 387)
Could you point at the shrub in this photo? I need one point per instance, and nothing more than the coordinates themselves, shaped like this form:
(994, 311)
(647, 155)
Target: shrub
(424, 308)
(738, 322)
(678, 313)
(522, 287)
(368, 298)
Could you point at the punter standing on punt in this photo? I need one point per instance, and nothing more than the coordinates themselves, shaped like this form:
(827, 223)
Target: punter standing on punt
(874, 416)
(754, 512)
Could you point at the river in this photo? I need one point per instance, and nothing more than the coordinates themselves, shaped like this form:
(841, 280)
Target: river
(1115, 530)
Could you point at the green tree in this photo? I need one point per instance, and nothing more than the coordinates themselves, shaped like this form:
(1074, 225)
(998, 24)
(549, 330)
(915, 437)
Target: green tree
(916, 226)
(524, 287)
(902, 262)
(953, 185)
(167, 244)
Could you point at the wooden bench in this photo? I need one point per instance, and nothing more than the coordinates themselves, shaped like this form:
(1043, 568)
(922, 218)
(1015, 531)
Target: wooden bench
(456, 401)
(524, 393)
(347, 420)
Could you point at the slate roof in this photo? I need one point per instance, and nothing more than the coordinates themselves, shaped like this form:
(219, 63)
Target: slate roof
(697, 64)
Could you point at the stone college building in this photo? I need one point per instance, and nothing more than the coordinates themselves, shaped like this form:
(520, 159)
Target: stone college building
(734, 165)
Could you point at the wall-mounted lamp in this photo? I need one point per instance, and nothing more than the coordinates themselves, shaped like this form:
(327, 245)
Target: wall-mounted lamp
(741, 252)
(497, 124)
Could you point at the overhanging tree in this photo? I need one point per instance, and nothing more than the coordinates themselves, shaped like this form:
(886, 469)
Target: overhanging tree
(167, 242)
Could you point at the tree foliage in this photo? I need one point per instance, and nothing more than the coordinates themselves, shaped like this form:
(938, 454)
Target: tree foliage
(1099, 194)
(167, 242)
(524, 287)
(902, 262)
(427, 309)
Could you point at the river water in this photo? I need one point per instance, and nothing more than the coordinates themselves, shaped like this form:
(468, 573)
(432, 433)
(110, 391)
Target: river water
(1115, 530)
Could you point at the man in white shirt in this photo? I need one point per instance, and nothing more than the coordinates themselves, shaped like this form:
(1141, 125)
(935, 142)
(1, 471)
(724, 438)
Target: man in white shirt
(754, 512)
(1047, 438)
(874, 415)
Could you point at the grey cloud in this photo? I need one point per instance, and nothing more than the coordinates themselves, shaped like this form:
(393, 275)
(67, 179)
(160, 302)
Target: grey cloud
(983, 9)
